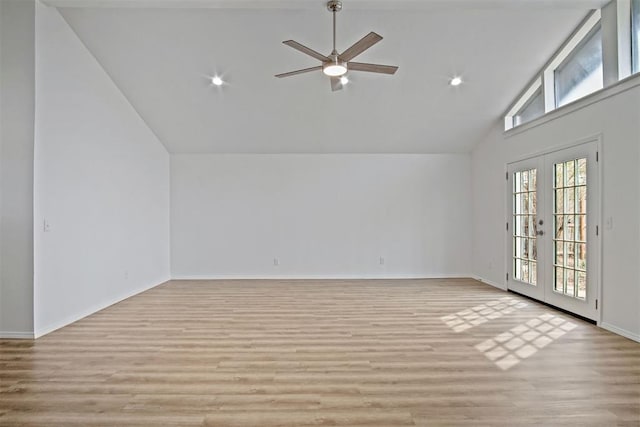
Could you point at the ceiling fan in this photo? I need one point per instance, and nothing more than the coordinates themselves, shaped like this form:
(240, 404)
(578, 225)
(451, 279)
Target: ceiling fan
(336, 65)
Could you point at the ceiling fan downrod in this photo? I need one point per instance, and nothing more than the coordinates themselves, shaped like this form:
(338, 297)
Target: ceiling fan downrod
(334, 6)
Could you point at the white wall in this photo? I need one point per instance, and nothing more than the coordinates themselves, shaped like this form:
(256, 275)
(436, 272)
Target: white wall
(101, 182)
(320, 215)
(617, 120)
(17, 93)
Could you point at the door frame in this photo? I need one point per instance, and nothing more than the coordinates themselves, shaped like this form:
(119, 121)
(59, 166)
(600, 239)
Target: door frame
(597, 139)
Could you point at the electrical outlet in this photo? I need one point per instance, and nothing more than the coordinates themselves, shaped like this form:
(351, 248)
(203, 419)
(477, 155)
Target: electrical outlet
(276, 262)
(126, 274)
(46, 227)
(381, 260)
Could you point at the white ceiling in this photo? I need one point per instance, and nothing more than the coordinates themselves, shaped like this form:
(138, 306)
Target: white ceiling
(160, 58)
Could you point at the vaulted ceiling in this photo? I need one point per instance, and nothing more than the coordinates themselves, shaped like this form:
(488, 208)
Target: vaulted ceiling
(162, 58)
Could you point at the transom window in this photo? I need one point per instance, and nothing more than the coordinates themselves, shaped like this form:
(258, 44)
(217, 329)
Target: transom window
(602, 50)
(581, 73)
(532, 109)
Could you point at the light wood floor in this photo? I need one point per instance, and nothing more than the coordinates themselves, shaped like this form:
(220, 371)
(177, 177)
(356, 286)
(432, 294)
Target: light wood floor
(298, 353)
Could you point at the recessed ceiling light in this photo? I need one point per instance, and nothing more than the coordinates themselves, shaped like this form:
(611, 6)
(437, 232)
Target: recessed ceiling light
(344, 80)
(456, 81)
(216, 81)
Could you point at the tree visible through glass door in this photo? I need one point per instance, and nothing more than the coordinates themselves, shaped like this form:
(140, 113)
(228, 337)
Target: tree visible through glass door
(570, 228)
(524, 230)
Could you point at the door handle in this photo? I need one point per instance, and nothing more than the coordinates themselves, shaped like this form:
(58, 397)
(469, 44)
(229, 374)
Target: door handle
(540, 233)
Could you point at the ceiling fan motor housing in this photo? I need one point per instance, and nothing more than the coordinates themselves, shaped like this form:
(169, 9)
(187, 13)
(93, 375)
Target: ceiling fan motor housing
(334, 6)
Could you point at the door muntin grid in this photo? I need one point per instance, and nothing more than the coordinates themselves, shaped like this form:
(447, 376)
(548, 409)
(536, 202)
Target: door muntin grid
(570, 228)
(524, 226)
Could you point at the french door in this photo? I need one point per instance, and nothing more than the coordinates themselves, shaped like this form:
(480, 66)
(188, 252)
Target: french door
(553, 217)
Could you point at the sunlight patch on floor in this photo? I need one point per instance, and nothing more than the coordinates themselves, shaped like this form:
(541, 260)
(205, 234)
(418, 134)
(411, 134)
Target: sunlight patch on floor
(521, 342)
(482, 313)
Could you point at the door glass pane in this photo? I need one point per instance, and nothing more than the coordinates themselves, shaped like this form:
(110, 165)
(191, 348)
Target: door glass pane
(570, 282)
(559, 227)
(559, 175)
(558, 284)
(570, 225)
(524, 229)
(559, 200)
(570, 173)
(582, 171)
(569, 199)
(581, 200)
(582, 284)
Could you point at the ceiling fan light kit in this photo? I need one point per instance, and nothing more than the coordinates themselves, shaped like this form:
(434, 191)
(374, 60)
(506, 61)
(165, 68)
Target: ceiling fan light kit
(335, 69)
(336, 65)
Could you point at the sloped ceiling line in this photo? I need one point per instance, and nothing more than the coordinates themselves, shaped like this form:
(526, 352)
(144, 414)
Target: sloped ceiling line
(115, 84)
(162, 60)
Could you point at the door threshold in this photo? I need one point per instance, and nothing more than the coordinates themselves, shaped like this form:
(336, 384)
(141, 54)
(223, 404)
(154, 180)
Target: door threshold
(586, 319)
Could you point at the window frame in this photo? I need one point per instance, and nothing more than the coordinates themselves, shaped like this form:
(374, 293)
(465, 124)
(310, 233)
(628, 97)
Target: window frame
(545, 77)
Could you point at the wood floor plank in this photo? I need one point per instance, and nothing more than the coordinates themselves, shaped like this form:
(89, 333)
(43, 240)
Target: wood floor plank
(335, 352)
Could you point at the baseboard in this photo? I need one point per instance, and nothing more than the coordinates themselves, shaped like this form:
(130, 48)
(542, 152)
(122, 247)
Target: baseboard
(320, 277)
(616, 330)
(47, 329)
(16, 335)
(489, 282)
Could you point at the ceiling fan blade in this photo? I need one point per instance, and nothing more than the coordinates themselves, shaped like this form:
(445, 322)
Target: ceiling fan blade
(336, 84)
(372, 68)
(302, 48)
(360, 46)
(305, 70)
